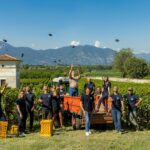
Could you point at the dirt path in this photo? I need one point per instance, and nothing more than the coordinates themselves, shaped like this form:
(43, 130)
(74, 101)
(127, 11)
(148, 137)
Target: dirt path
(124, 79)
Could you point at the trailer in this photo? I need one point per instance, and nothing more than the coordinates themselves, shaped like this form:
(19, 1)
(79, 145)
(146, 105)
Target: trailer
(72, 104)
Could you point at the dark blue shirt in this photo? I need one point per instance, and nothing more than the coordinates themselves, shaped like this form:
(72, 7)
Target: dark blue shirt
(105, 87)
(131, 101)
(56, 102)
(116, 101)
(47, 100)
(29, 97)
(87, 101)
(90, 85)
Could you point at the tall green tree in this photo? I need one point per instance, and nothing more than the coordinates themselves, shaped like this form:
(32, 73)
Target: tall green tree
(136, 67)
(120, 58)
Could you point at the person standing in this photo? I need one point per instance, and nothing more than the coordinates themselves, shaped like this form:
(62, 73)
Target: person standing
(117, 108)
(61, 93)
(30, 98)
(132, 101)
(56, 102)
(106, 89)
(90, 85)
(46, 101)
(73, 82)
(73, 90)
(2, 115)
(87, 106)
(21, 113)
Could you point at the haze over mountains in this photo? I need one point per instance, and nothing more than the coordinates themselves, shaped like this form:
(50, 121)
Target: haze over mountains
(82, 55)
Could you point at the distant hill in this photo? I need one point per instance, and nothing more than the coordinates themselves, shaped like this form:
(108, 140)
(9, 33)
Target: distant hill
(82, 55)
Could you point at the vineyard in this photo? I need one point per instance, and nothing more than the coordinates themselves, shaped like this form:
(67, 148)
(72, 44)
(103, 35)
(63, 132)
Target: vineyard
(36, 78)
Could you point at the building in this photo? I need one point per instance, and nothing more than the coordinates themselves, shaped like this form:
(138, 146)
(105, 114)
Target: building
(9, 71)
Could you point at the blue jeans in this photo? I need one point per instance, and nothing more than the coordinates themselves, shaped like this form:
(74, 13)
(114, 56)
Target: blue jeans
(102, 99)
(88, 119)
(133, 117)
(116, 114)
(73, 91)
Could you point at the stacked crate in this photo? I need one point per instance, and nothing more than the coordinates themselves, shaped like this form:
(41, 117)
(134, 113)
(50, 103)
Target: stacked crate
(3, 129)
(46, 128)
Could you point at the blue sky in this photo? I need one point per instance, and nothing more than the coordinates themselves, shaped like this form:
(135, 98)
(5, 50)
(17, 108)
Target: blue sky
(28, 22)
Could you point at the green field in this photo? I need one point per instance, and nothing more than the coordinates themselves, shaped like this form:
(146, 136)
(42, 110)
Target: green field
(76, 140)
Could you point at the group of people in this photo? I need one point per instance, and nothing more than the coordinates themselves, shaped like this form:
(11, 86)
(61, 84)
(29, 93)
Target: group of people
(117, 108)
(52, 103)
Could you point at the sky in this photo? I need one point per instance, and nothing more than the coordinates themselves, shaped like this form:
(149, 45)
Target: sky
(77, 22)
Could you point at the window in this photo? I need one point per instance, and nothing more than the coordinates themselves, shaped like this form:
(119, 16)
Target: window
(3, 82)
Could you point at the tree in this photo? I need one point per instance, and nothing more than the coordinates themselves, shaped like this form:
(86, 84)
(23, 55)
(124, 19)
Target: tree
(26, 66)
(136, 67)
(120, 58)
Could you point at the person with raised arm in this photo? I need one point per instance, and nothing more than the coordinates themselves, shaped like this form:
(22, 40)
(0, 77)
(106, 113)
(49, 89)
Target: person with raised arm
(106, 89)
(73, 82)
(73, 89)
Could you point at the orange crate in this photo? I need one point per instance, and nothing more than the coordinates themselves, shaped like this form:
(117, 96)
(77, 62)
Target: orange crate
(72, 103)
(46, 128)
(3, 129)
(14, 129)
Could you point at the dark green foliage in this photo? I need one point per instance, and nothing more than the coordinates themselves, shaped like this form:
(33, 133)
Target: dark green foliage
(9, 105)
(121, 58)
(136, 67)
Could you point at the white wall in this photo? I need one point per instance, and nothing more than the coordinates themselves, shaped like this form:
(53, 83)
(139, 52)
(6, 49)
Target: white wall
(10, 73)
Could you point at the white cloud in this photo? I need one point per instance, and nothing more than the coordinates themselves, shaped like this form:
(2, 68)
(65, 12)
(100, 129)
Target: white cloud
(74, 43)
(97, 44)
(32, 45)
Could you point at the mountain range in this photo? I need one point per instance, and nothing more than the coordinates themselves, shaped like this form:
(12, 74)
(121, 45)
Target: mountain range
(81, 55)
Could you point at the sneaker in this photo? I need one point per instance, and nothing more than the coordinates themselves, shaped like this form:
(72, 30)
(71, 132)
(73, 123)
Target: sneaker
(22, 134)
(115, 131)
(90, 132)
(120, 132)
(137, 128)
(87, 133)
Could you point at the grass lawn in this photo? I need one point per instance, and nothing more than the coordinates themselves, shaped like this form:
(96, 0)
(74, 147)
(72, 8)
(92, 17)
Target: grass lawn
(76, 140)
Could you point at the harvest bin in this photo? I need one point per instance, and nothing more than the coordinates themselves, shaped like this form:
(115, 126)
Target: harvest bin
(72, 104)
(14, 129)
(46, 128)
(3, 129)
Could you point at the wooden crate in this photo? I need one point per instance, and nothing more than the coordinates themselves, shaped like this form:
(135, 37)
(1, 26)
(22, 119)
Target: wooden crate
(3, 129)
(46, 128)
(14, 129)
